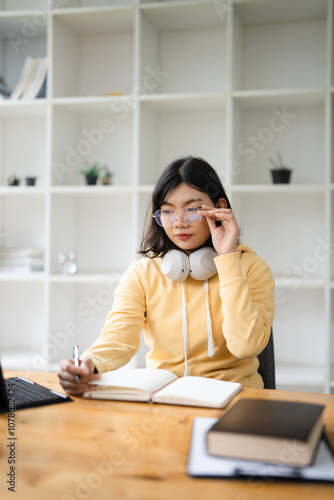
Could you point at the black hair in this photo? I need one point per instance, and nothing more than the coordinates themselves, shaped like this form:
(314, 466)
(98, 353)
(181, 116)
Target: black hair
(196, 173)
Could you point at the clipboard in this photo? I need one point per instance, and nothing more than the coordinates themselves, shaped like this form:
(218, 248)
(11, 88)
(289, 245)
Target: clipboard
(201, 464)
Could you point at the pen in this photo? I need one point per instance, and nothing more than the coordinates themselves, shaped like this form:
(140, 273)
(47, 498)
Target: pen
(76, 359)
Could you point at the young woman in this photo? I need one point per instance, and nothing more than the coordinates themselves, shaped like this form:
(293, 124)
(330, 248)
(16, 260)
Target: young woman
(205, 302)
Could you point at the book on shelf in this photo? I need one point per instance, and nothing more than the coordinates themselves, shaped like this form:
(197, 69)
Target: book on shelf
(4, 89)
(21, 252)
(36, 87)
(111, 94)
(32, 81)
(21, 259)
(23, 79)
(161, 386)
(281, 432)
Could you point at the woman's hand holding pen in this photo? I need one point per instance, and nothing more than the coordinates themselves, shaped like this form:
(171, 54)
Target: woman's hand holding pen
(68, 373)
(224, 237)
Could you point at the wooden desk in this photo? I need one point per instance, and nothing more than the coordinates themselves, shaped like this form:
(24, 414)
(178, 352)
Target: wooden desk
(119, 450)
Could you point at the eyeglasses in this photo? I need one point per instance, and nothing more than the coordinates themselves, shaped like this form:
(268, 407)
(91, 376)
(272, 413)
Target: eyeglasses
(166, 218)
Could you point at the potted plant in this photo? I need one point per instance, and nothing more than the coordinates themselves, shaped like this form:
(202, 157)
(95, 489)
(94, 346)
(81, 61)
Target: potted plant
(91, 172)
(106, 176)
(281, 173)
(31, 180)
(13, 180)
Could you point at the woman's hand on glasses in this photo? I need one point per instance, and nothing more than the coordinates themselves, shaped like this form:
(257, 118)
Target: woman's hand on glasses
(224, 237)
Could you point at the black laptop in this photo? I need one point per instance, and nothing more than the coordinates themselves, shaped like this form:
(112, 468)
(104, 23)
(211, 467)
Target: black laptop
(17, 393)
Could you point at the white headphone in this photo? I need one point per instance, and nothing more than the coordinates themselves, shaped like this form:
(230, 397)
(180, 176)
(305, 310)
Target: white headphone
(200, 265)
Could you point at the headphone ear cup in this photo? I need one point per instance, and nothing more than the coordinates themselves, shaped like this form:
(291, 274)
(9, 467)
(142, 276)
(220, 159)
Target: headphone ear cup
(175, 265)
(202, 266)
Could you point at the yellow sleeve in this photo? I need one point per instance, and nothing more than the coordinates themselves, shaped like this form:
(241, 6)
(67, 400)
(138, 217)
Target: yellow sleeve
(120, 338)
(246, 288)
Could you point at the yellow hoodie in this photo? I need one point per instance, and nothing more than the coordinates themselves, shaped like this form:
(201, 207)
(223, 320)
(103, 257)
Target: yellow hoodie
(241, 304)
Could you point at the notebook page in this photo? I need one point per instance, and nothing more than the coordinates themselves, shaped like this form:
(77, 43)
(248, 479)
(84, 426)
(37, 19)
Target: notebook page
(198, 391)
(146, 380)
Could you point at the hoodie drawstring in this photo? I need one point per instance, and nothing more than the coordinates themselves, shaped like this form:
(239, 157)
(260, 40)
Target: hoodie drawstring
(211, 349)
(185, 331)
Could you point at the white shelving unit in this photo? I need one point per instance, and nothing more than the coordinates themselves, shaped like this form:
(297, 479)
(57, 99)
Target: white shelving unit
(232, 84)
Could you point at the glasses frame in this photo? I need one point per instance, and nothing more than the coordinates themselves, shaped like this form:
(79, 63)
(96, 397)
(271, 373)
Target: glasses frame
(179, 213)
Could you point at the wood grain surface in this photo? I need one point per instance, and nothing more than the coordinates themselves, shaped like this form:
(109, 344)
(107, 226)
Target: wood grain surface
(108, 450)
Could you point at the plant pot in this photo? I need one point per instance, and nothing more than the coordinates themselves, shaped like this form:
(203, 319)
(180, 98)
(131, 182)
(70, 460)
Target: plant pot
(106, 181)
(91, 179)
(281, 176)
(14, 183)
(30, 181)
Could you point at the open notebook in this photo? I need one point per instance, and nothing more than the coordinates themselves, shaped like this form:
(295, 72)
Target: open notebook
(17, 393)
(161, 386)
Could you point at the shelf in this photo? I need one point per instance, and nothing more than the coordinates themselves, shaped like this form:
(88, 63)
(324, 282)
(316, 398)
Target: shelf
(101, 278)
(94, 105)
(185, 102)
(80, 224)
(22, 190)
(22, 35)
(31, 129)
(18, 277)
(269, 12)
(232, 84)
(280, 97)
(103, 20)
(299, 375)
(267, 214)
(33, 24)
(21, 359)
(297, 132)
(97, 190)
(95, 134)
(85, 306)
(271, 37)
(199, 38)
(146, 189)
(77, 39)
(171, 16)
(22, 220)
(166, 134)
(279, 189)
(300, 311)
(22, 312)
(78, 6)
(11, 108)
(296, 282)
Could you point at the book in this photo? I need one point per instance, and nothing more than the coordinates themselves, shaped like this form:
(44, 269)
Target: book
(111, 94)
(201, 464)
(282, 432)
(36, 87)
(21, 259)
(32, 81)
(31, 78)
(161, 386)
(19, 252)
(4, 89)
(23, 79)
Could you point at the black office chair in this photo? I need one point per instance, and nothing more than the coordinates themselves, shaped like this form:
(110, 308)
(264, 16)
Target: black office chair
(267, 364)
